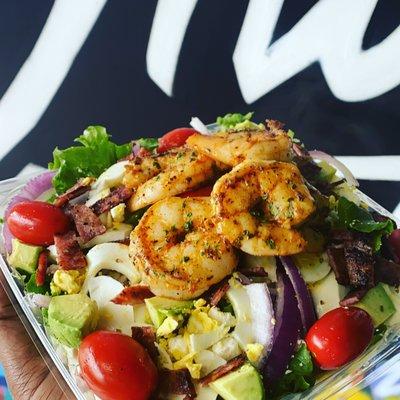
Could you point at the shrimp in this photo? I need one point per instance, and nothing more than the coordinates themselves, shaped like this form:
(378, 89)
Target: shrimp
(158, 177)
(232, 148)
(177, 249)
(259, 203)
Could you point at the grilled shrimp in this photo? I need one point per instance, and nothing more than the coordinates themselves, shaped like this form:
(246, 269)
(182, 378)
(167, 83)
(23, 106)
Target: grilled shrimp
(177, 249)
(165, 175)
(257, 205)
(232, 148)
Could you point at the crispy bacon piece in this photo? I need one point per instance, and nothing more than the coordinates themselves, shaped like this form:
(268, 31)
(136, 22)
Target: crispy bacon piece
(216, 292)
(177, 382)
(338, 263)
(133, 295)
(230, 366)
(254, 271)
(360, 264)
(146, 336)
(69, 254)
(117, 196)
(87, 223)
(80, 187)
(387, 271)
(353, 297)
(40, 275)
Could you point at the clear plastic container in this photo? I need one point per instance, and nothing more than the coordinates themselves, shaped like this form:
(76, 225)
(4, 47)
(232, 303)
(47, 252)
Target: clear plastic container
(341, 384)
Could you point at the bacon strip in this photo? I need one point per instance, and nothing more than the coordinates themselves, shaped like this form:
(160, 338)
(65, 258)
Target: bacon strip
(360, 264)
(40, 275)
(117, 196)
(133, 295)
(80, 187)
(353, 297)
(221, 371)
(146, 336)
(69, 254)
(216, 292)
(87, 223)
(254, 271)
(387, 272)
(177, 382)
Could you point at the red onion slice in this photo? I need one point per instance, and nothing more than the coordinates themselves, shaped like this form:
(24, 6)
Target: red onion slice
(287, 329)
(31, 191)
(322, 156)
(305, 303)
(135, 149)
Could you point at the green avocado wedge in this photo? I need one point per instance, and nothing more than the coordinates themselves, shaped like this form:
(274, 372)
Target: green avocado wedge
(24, 256)
(244, 383)
(71, 317)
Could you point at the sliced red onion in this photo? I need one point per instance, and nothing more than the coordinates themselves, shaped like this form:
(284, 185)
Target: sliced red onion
(31, 191)
(136, 149)
(322, 156)
(287, 329)
(305, 303)
(199, 126)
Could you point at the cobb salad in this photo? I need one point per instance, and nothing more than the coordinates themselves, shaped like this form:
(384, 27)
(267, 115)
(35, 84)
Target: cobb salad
(217, 262)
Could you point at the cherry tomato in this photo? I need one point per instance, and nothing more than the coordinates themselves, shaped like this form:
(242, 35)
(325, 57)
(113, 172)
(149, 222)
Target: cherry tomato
(116, 367)
(340, 336)
(200, 192)
(174, 138)
(36, 222)
(394, 241)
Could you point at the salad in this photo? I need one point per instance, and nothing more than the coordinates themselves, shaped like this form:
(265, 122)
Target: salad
(217, 262)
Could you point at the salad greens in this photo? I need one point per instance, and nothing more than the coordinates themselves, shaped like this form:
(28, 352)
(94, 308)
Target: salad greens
(96, 154)
(32, 287)
(230, 120)
(149, 144)
(349, 215)
(301, 375)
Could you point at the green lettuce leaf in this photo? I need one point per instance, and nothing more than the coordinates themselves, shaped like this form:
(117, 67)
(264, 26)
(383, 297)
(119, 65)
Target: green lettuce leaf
(31, 286)
(300, 375)
(350, 216)
(231, 120)
(149, 144)
(95, 155)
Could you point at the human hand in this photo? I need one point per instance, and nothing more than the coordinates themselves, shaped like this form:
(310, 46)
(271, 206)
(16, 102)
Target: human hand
(27, 375)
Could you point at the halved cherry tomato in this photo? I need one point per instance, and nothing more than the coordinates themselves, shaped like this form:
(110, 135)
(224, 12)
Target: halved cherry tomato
(174, 138)
(394, 241)
(204, 191)
(36, 222)
(116, 367)
(340, 336)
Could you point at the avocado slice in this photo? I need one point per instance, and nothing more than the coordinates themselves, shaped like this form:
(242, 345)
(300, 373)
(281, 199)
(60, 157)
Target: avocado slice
(244, 383)
(71, 317)
(24, 256)
(394, 295)
(377, 304)
(160, 307)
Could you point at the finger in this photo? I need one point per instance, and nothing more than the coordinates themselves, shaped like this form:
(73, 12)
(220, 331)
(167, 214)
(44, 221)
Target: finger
(27, 375)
